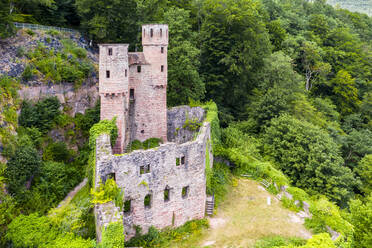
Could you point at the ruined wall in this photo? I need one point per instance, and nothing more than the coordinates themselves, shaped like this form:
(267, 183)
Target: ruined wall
(149, 172)
(177, 118)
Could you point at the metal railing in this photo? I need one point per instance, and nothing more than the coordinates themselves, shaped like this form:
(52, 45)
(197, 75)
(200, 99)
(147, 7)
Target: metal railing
(43, 27)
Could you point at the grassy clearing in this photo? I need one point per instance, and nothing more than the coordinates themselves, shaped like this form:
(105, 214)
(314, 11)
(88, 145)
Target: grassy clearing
(244, 218)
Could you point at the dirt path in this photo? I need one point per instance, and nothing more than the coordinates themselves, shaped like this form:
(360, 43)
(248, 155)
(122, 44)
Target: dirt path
(73, 192)
(244, 217)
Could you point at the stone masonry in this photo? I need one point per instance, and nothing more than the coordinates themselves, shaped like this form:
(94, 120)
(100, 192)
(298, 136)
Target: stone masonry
(133, 86)
(164, 186)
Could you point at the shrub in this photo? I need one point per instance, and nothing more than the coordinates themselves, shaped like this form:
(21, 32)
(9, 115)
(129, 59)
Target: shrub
(113, 236)
(53, 32)
(30, 231)
(21, 168)
(57, 151)
(42, 115)
(151, 143)
(275, 241)
(20, 51)
(108, 191)
(28, 73)
(30, 32)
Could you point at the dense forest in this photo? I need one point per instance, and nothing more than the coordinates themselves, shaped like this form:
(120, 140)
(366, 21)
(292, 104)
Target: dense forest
(292, 80)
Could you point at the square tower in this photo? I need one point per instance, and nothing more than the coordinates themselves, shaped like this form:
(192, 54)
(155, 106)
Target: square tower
(150, 85)
(113, 87)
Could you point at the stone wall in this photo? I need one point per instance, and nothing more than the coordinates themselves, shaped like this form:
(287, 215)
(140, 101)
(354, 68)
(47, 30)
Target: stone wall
(177, 130)
(179, 168)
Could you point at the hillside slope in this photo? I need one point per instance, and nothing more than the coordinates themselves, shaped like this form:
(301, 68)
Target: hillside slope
(362, 6)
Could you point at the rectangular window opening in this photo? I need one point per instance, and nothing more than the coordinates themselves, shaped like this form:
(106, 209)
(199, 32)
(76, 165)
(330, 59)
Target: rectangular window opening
(161, 32)
(126, 72)
(147, 168)
(166, 194)
(131, 94)
(127, 206)
(185, 191)
(110, 51)
(162, 49)
(147, 201)
(151, 32)
(183, 160)
(142, 169)
(138, 68)
(107, 74)
(111, 176)
(177, 161)
(162, 68)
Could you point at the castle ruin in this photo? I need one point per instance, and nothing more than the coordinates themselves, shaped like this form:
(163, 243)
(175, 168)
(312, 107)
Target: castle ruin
(164, 186)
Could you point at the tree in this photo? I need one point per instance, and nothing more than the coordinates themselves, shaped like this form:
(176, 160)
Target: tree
(6, 25)
(109, 20)
(346, 93)
(234, 42)
(361, 218)
(312, 62)
(309, 156)
(184, 82)
(21, 168)
(364, 171)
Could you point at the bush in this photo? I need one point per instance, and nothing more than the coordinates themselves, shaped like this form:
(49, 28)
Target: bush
(275, 241)
(108, 191)
(21, 168)
(42, 115)
(20, 52)
(57, 151)
(113, 236)
(30, 32)
(220, 180)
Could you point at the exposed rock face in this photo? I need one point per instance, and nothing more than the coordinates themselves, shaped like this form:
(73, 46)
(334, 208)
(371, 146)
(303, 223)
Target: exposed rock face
(77, 99)
(176, 168)
(177, 130)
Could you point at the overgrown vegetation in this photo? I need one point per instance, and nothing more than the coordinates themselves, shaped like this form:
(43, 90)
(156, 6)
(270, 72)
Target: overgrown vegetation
(147, 144)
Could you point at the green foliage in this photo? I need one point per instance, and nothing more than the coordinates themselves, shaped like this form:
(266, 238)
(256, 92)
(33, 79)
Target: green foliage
(234, 42)
(184, 81)
(68, 65)
(108, 191)
(30, 32)
(322, 240)
(103, 127)
(364, 170)
(8, 212)
(220, 179)
(147, 144)
(155, 238)
(30, 231)
(6, 25)
(212, 118)
(325, 214)
(41, 115)
(21, 169)
(113, 236)
(192, 124)
(309, 157)
(361, 218)
(275, 241)
(38, 231)
(57, 151)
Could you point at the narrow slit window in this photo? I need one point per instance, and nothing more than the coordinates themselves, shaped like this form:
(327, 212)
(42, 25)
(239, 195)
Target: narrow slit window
(126, 72)
(110, 51)
(161, 32)
(131, 94)
(183, 160)
(162, 68)
(166, 194)
(147, 201)
(107, 74)
(151, 32)
(177, 161)
(127, 206)
(147, 168)
(162, 49)
(138, 68)
(142, 169)
(185, 192)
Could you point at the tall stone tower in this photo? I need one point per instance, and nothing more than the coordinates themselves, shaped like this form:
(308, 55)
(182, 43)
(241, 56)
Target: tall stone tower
(149, 82)
(133, 87)
(113, 87)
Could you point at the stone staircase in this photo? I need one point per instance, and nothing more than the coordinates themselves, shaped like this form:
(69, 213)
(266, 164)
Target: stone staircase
(209, 205)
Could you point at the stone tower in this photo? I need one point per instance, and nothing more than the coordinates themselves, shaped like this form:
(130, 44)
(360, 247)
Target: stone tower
(133, 87)
(151, 92)
(113, 87)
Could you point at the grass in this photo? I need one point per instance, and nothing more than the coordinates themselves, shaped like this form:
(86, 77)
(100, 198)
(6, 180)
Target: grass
(244, 218)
